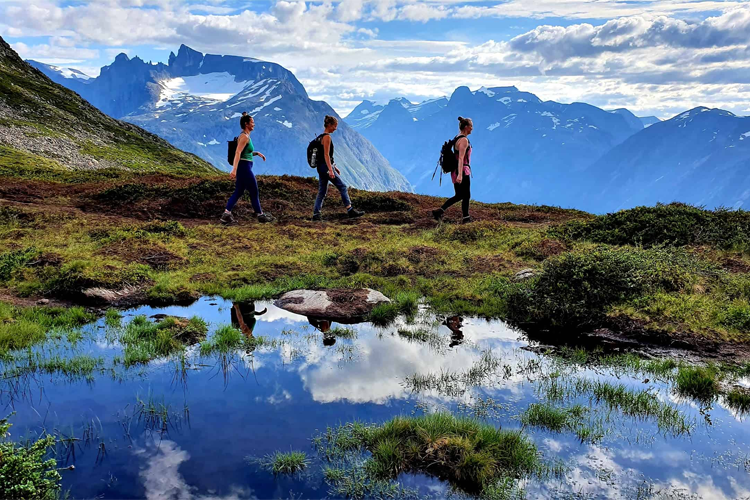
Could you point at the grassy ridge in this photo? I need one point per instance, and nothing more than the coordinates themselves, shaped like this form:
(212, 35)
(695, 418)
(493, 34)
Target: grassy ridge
(39, 110)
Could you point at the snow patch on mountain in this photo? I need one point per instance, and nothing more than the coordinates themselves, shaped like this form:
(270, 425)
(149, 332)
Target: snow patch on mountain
(212, 86)
(285, 123)
(487, 91)
(493, 126)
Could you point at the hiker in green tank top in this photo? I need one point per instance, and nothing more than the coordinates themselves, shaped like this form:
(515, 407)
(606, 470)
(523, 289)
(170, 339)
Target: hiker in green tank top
(242, 172)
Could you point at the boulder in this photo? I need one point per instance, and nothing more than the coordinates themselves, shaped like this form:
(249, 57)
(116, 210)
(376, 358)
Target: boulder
(341, 305)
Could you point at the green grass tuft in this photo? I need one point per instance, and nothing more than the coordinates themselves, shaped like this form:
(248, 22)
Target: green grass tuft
(697, 382)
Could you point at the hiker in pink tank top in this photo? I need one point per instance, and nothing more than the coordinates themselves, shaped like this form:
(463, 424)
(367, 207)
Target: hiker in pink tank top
(461, 177)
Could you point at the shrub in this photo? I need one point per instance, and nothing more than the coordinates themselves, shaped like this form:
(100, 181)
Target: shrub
(576, 289)
(673, 224)
(24, 472)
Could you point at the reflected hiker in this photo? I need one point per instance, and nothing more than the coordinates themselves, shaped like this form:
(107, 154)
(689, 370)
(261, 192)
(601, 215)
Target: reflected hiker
(324, 326)
(460, 147)
(455, 325)
(243, 316)
(320, 156)
(242, 170)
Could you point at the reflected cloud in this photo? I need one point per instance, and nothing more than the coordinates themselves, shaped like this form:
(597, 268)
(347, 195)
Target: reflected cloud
(163, 481)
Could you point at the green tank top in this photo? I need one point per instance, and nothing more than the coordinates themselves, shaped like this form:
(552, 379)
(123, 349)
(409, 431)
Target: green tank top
(247, 153)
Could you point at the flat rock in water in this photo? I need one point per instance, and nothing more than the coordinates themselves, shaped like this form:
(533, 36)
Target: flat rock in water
(338, 304)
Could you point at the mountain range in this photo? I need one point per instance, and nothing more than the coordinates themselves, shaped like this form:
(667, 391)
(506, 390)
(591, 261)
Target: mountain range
(195, 101)
(525, 150)
(47, 130)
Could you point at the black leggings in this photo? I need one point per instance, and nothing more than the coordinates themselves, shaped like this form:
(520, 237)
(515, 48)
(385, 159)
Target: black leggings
(463, 194)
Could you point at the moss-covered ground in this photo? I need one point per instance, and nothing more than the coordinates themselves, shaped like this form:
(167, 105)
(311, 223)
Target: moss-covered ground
(160, 235)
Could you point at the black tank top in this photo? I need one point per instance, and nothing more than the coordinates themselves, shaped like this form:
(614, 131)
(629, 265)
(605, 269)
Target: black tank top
(323, 163)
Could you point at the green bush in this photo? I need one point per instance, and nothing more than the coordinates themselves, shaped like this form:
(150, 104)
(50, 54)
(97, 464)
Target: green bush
(25, 474)
(673, 224)
(576, 289)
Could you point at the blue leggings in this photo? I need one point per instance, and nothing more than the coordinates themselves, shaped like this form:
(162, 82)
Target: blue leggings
(245, 180)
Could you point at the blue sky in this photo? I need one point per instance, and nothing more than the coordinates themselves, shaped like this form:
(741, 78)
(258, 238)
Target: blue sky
(654, 57)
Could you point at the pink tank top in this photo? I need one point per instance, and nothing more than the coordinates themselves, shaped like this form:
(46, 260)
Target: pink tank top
(467, 163)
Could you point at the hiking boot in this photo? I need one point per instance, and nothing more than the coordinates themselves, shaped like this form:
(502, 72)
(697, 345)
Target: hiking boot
(354, 213)
(467, 219)
(266, 218)
(227, 218)
(317, 218)
(438, 213)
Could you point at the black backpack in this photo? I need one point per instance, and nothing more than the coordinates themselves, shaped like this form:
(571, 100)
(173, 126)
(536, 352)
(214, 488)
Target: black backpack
(447, 162)
(231, 150)
(315, 152)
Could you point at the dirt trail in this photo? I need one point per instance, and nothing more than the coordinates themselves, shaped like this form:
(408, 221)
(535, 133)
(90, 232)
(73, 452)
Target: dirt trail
(196, 201)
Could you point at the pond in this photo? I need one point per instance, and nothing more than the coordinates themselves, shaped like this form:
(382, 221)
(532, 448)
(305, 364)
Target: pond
(199, 425)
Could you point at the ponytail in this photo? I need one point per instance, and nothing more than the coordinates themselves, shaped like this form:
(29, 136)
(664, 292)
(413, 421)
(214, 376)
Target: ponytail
(464, 122)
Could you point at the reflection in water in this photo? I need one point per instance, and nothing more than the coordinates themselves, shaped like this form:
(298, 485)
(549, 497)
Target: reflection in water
(324, 325)
(454, 324)
(243, 316)
(162, 479)
(295, 385)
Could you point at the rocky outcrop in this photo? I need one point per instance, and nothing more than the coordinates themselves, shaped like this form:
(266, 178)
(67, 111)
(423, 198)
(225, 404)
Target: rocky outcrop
(341, 305)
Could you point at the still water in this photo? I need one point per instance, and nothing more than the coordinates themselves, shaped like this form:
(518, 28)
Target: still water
(225, 410)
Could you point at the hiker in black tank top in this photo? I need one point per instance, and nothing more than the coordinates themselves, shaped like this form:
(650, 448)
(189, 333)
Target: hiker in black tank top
(462, 176)
(329, 172)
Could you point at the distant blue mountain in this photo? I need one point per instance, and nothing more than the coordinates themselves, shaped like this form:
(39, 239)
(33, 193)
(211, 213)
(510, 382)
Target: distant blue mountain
(195, 101)
(525, 150)
(649, 120)
(699, 157)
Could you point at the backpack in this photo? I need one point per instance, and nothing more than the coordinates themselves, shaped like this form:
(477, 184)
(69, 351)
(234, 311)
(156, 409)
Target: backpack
(315, 151)
(231, 150)
(448, 162)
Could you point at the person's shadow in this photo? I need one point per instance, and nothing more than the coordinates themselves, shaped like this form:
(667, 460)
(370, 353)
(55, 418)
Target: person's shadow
(454, 324)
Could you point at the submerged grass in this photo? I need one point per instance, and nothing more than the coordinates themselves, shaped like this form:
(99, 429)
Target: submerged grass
(697, 382)
(632, 403)
(470, 455)
(289, 462)
(558, 419)
(455, 383)
(145, 340)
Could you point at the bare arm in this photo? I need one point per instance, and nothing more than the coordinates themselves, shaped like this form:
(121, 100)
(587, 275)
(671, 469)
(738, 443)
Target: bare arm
(463, 145)
(326, 142)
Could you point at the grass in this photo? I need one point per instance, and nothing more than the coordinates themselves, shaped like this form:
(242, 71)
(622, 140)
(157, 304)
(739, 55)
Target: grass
(738, 400)
(632, 403)
(289, 462)
(342, 333)
(558, 419)
(464, 270)
(697, 382)
(21, 328)
(33, 362)
(470, 455)
(455, 383)
(144, 340)
(25, 470)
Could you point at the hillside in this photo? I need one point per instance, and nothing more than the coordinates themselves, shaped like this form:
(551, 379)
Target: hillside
(46, 129)
(700, 157)
(526, 150)
(194, 102)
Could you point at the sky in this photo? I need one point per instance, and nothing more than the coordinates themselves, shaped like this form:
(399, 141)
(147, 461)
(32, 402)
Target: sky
(652, 57)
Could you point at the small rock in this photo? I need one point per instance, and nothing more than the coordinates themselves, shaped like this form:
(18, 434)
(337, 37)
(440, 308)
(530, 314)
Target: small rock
(524, 274)
(42, 302)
